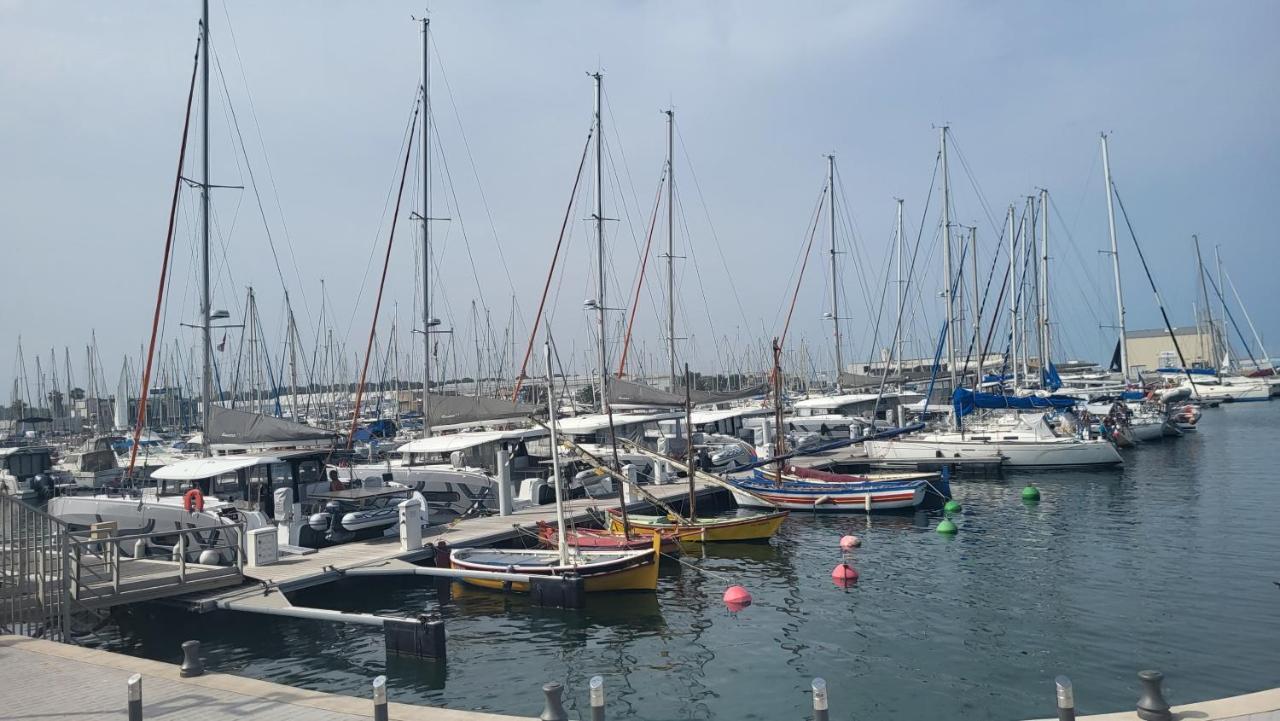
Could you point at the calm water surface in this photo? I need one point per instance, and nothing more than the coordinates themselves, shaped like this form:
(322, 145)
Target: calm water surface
(1168, 563)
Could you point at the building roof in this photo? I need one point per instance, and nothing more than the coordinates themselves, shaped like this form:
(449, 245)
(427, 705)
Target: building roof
(1160, 332)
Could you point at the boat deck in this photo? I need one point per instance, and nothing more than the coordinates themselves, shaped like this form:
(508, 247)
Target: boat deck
(327, 564)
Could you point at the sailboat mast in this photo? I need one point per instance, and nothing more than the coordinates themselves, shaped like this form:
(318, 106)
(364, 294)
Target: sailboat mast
(946, 259)
(1044, 282)
(599, 218)
(1013, 296)
(1214, 352)
(977, 301)
(835, 285)
(1222, 298)
(425, 149)
(1115, 262)
(671, 276)
(562, 541)
(205, 303)
(898, 329)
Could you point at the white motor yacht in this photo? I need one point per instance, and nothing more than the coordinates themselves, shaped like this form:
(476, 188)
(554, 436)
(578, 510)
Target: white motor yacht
(1022, 439)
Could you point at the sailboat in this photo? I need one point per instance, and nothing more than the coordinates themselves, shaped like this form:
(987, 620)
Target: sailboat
(601, 570)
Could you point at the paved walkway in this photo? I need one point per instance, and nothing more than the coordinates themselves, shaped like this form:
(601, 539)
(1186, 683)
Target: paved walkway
(46, 681)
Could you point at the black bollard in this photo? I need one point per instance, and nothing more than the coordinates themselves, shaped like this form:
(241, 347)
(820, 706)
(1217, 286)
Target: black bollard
(597, 698)
(1066, 699)
(820, 711)
(1151, 705)
(553, 709)
(380, 698)
(191, 663)
(135, 697)
(444, 586)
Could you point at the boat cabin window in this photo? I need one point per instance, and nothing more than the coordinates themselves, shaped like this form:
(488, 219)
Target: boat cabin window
(25, 465)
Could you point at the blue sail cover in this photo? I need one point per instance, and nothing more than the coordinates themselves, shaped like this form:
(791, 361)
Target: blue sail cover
(966, 401)
(1049, 379)
(1192, 371)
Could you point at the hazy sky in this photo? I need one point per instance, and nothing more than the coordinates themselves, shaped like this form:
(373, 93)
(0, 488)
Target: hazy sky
(92, 93)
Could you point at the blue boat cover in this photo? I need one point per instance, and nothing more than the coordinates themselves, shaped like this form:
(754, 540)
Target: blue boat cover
(966, 401)
(1192, 371)
(1133, 395)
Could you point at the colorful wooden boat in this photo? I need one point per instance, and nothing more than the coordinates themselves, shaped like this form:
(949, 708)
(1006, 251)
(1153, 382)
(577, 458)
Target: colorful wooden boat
(604, 539)
(616, 570)
(757, 527)
(826, 494)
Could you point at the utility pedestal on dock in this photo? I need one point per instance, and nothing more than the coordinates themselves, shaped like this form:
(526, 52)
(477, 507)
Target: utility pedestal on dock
(410, 513)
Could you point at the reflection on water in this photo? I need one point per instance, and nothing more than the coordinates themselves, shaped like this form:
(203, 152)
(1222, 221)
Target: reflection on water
(1167, 563)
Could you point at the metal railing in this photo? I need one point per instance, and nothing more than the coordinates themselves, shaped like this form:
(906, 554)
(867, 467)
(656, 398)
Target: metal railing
(49, 572)
(33, 570)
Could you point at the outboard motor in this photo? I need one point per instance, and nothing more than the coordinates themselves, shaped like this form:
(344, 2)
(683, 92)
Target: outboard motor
(329, 522)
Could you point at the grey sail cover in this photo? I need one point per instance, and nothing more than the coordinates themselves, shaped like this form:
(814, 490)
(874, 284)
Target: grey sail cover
(227, 425)
(452, 410)
(622, 392)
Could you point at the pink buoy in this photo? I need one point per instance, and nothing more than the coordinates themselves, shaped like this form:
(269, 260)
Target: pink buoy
(844, 575)
(848, 543)
(737, 598)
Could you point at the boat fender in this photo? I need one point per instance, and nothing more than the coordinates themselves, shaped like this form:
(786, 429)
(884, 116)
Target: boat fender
(193, 499)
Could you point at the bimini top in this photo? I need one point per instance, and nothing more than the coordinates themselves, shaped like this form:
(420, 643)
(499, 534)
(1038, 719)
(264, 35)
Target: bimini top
(833, 402)
(198, 468)
(463, 441)
(594, 422)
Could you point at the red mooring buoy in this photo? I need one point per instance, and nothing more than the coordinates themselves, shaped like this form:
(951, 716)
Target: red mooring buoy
(848, 543)
(844, 575)
(737, 598)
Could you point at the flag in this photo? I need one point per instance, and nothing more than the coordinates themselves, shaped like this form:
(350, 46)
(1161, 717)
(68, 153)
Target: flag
(222, 345)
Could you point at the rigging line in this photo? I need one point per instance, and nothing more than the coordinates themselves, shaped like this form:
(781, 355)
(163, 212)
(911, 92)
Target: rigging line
(813, 232)
(457, 211)
(981, 309)
(1151, 280)
(875, 333)
(635, 243)
(853, 244)
(537, 319)
(1075, 251)
(801, 256)
(373, 247)
(484, 201)
(706, 211)
(1213, 284)
(982, 199)
(692, 346)
(164, 268)
(262, 213)
(644, 262)
(915, 251)
(253, 112)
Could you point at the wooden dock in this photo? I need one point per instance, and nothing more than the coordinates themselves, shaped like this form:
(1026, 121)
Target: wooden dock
(327, 564)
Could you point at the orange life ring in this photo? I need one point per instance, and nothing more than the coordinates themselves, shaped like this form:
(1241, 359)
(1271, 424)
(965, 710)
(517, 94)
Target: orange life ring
(193, 499)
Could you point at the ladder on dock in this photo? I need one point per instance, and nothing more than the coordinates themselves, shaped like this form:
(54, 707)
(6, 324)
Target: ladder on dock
(51, 574)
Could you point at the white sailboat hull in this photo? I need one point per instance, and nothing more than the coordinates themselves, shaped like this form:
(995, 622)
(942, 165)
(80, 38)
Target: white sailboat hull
(1031, 454)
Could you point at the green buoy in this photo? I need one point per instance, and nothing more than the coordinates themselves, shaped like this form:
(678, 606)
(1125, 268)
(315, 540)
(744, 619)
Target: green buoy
(946, 527)
(1030, 493)
(951, 506)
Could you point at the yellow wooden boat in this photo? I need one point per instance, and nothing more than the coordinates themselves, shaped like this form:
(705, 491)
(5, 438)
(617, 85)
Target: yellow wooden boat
(635, 570)
(757, 527)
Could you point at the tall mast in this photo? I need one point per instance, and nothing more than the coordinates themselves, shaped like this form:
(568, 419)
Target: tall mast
(1013, 296)
(1222, 298)
(977, 314)
(561, 539)
(1027, 252)
(835, 285)
(293, 362)
(599, 218)
(425, 149)
(671, 282)
(1045, 341)
(1214, 352)
(946, 259)
(1115, 263)
(206, 393)
(898, 329)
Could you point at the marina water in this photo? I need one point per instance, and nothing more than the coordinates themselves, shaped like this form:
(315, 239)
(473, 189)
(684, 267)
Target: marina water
(1167, 563)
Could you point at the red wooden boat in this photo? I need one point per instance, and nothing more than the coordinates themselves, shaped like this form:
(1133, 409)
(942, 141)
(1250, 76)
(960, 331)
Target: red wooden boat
(599, 539)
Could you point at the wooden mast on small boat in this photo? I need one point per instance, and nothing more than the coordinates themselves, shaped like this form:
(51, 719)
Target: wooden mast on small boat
(688, 434)
(561, 542)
